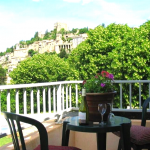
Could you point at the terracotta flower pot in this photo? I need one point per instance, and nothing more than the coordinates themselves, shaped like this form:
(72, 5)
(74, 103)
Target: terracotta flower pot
(93, 99)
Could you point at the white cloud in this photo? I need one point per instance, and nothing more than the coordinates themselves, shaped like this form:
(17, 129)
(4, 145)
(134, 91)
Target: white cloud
(14, 31)
(86, 2)
(77, 1)
(72, 1)
(36, 0)
(108, 12)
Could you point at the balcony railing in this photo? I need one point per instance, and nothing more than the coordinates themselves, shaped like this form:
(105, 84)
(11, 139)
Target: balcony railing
(56, 97)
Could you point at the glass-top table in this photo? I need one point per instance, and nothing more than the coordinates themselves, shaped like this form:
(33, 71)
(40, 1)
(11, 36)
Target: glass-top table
(121, 124)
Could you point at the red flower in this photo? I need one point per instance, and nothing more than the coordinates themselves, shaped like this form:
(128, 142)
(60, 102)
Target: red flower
(105, 74)
(84, 81)
(96, 77)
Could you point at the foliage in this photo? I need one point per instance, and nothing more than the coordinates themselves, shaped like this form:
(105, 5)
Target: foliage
(47, 35)
(35, 38)
(63, 54)
(62, 31)
(2, 75)
(103, 24)
(53, 34)
(74, 30)
(119, 49)
(2, 53)
(43, 68)
(69, 39)
(22, 42)
(63, 38)
(5, 140)
(9, 50)
(100, 83)
(83, 30)
(31, 52)
(3, 95)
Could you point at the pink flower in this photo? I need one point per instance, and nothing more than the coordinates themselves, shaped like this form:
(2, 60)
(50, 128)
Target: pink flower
(111, 76)
(102, 84)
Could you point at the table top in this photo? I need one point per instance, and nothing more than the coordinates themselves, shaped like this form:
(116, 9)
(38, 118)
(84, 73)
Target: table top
(73, 124)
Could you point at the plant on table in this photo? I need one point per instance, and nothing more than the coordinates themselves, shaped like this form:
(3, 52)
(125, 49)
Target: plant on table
(100, 83)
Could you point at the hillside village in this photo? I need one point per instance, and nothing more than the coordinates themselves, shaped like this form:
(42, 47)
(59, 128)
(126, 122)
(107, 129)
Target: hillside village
(10, 60)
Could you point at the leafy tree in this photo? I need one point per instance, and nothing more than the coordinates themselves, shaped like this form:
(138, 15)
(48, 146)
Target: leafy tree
(69, 39)
(9, 50)
(50, 53)
(31, 52)
(83, 30)
(40, 68)
(74, 30)
(29, 42)
(2, 75)
(22, 42)
(43, 68)
(2, 53)
(53, 34)
(35, 38)
(103, 24)
(47, 35)
(62, 31)
(63, 54)
(117, 49)
(63, 38)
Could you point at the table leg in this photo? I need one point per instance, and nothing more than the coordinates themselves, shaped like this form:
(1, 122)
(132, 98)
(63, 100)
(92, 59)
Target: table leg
(125, 136)
(101, 141)
(65, 134)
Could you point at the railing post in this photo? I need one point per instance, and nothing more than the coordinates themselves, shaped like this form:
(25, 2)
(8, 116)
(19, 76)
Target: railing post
(44, 101)
(76, 96)
(59, 98)
(130, 95)
(17, 101)
(8, 100)
(25, 100)
(32, 101)
(38, 101)
(54, 99)
(49, 99)
(70, 96)
(149, 94)
(66, 96)
(139, 95)
(121, 95)
(63, 104)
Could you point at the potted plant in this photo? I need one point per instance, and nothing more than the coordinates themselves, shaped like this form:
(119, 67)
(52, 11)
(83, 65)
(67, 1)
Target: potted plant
(99, 89)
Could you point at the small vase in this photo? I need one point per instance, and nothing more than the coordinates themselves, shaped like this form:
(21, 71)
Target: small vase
(93, 99)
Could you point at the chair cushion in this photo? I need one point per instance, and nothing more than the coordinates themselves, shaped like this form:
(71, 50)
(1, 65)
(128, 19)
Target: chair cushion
(139, 135)
(51, 147)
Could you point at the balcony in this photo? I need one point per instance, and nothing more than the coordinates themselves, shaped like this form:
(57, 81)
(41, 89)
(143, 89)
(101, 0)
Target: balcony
(56, 98)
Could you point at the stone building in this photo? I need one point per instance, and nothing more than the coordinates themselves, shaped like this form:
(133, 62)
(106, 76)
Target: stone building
(59, 25)
(40, 35)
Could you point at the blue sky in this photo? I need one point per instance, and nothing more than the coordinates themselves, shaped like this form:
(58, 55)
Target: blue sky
(20, 19)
